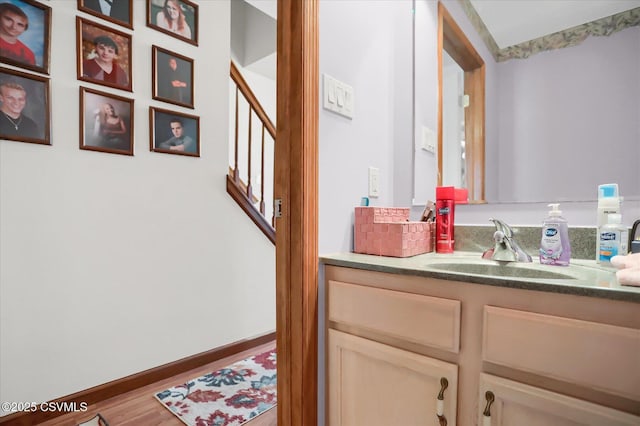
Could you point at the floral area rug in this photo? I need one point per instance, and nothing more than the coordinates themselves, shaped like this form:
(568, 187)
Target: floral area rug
(230, 396)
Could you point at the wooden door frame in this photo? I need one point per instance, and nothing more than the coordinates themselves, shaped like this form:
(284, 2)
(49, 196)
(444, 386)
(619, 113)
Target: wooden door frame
(452, 39)
(296, 184)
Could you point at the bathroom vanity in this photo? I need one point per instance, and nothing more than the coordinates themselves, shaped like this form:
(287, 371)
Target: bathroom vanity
(415, 341)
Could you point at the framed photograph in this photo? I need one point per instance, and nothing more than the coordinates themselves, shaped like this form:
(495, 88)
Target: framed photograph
(117, 11)
(104, 55)
(106, 122)
(25, 107)
(178, 18)
(25, 32)
(172, 77)
(174, 133)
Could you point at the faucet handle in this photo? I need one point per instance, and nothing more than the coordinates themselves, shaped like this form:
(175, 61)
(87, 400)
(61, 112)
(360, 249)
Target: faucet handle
(506, 248)
(502, 227)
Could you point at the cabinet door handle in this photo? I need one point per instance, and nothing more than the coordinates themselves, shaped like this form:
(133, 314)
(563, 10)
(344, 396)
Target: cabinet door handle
(444, 383)
(486, 414)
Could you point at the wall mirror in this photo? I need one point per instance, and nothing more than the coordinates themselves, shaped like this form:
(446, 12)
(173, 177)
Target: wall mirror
(562, 106)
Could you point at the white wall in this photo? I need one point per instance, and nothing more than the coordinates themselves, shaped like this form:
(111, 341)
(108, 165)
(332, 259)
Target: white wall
(109, 264)
(375, 56)
(366, 44)
(425, 62)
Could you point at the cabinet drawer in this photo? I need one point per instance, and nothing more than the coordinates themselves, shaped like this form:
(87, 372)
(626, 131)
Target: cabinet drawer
(598, 356)
(429, 321)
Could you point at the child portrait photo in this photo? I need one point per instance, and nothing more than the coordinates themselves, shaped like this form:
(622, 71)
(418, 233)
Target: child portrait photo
(104, 55)
(24, 107)
(25, 27)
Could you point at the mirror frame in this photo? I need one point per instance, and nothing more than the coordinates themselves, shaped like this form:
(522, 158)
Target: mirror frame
(452, 39)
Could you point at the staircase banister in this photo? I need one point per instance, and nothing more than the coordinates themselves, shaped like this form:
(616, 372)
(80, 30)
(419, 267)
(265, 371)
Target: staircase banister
(257, 218)
(253, 101)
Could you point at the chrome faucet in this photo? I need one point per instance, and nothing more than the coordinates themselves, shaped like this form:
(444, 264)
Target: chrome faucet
(505, 249)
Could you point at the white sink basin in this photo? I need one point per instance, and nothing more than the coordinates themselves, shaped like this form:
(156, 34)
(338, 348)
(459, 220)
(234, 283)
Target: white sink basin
(511, 269)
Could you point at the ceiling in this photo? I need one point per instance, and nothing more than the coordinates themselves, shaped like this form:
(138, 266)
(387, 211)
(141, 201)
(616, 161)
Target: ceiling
(270, 7)
(253, 36)
(514, 22)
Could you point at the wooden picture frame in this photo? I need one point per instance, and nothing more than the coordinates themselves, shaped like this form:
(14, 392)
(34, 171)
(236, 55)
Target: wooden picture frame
(25, 108)
(171, 132)
(172, 80)
(120, 11)
(106, 122)
(178, 18)
(100, 48)
(31, 36)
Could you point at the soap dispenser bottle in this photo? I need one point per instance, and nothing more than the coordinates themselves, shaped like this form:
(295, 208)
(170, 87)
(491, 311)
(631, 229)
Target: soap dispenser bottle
(613, 238)
(555, 247)
(609, 201)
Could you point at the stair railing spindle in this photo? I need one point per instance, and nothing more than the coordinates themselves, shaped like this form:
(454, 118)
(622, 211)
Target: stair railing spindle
(262, 211)
(249, 133)
(236, 172)
(240, 191)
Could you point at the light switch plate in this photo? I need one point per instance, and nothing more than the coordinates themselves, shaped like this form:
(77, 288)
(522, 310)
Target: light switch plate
(337, 96)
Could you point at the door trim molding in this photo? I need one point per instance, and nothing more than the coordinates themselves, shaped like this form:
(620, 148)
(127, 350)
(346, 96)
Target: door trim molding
(296, 184)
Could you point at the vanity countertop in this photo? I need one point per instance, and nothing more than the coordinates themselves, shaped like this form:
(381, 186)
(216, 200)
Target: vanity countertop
(592, 279)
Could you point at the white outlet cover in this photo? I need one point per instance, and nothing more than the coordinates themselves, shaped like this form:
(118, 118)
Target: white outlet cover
(374, 182)
(428, 140)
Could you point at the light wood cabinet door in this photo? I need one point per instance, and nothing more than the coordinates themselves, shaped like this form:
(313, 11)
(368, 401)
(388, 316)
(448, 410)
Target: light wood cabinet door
(372, 384)
(517, 404)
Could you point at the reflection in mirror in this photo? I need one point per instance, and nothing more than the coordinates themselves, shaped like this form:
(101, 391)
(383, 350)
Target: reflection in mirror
(559, 120)
(567, 111)
(453, 139)
(461, 82)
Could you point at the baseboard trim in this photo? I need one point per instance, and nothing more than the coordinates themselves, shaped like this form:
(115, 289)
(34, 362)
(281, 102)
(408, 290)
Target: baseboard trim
(109, 390)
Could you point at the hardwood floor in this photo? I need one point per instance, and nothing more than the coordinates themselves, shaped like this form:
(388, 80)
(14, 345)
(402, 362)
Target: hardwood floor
(140, 408)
